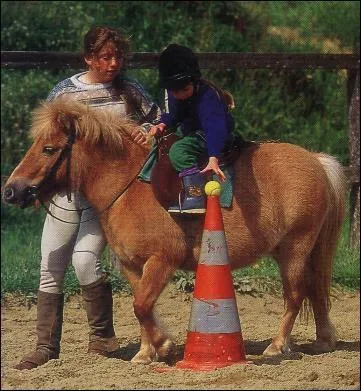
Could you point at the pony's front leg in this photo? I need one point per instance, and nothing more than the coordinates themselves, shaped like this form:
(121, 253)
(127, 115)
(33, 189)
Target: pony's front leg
(147, 352)
(152, 351)
(156, 273)
(155, 344)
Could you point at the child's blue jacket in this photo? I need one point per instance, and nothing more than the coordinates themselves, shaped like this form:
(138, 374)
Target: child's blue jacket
(205, 111)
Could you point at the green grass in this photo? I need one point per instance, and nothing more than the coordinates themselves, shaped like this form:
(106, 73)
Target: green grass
(20, 250)
(20, 262)
(346, 269)
(20, 255)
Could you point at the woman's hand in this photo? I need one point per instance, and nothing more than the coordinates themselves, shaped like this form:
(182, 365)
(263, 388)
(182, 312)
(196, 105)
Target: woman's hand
(143, 134)
(140, 136)
(157, 130)
(213, 166)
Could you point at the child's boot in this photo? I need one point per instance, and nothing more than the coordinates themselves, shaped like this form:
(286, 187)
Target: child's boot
(194, 199)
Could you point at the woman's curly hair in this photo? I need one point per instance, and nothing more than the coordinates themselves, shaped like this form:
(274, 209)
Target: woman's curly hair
(98, 36)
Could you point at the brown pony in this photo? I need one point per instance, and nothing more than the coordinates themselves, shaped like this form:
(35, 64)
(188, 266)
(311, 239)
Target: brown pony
(288, 203)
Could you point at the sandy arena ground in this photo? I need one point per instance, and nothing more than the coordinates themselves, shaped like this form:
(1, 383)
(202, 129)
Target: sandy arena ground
(260, 317)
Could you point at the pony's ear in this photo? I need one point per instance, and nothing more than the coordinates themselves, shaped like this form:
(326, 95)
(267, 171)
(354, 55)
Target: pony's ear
(66, 121)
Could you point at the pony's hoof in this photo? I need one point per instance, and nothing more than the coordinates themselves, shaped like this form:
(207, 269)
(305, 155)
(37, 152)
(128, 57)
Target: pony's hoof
(165, 349)
(141, 359)
(274, 350)
(321, 346)
(144, 358)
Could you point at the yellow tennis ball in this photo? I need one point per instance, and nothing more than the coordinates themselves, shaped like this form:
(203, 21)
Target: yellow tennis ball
(212, 188)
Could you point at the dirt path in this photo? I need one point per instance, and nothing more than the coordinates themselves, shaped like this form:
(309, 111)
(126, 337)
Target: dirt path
(76, 370)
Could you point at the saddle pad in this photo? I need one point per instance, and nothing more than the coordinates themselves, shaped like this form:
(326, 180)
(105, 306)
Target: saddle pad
(225, 198)
(148, 166)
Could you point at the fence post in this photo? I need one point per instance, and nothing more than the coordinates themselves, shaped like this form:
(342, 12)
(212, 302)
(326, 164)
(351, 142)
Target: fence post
(353, 85)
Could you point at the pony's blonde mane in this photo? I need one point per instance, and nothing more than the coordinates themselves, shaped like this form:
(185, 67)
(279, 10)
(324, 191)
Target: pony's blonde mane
(92, 125)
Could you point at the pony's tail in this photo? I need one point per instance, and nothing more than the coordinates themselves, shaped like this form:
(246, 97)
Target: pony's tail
(323, 253)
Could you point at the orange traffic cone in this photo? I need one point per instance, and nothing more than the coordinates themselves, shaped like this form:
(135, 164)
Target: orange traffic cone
(214, 338)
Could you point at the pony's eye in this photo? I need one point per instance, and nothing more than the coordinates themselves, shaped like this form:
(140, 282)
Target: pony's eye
(47, 150)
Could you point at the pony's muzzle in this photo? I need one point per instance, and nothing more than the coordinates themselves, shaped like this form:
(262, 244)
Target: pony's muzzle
(9, 194)
(19, 193)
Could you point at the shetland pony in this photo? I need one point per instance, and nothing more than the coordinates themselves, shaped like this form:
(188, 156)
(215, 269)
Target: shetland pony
(288, 203)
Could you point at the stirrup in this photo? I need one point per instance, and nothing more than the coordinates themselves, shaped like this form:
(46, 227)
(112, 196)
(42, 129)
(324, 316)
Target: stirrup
(178, 208)
(186, 211)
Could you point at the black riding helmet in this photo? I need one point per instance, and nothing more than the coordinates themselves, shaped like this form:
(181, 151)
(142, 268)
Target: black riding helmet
(178, 66)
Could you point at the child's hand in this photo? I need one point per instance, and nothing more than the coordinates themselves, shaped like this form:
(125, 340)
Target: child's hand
(213, 166)
(157, 130)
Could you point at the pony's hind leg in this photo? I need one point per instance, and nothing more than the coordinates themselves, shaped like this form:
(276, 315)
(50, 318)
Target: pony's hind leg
(293, 263)
(154, 342)
(292, 277)
(326, 335)
(319, 296)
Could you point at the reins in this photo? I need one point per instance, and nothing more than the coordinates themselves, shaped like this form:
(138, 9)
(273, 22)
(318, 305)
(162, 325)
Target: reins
(98, 214)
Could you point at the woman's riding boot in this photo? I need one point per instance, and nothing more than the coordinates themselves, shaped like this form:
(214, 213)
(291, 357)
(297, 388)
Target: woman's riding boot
(49, 327)
(194, 200)
(98, 303)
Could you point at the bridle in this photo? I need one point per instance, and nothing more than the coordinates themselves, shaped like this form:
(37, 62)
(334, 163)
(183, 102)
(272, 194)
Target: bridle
(34, 191)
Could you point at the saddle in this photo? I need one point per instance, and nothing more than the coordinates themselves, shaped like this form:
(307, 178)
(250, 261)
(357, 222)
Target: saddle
(165, 181)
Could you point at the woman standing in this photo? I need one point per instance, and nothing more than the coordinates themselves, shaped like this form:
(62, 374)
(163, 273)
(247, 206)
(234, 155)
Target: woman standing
(105, 87)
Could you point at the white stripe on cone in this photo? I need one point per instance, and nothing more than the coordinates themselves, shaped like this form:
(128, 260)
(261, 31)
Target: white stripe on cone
(214, 316)
(214, 248)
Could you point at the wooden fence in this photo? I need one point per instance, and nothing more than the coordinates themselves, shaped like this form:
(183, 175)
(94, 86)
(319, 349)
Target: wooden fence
(348, 62)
